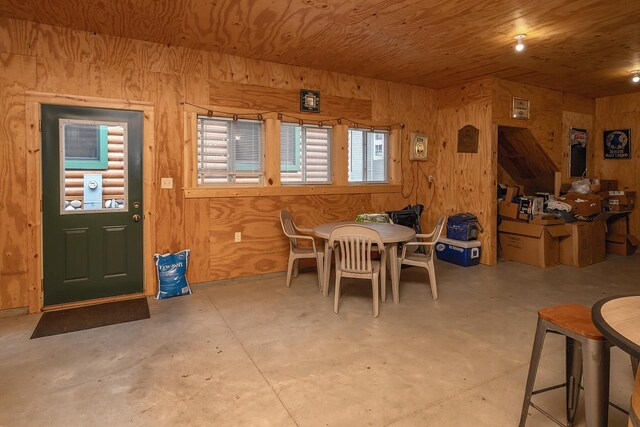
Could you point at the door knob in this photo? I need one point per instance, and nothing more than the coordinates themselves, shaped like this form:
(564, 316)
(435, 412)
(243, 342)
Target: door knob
(136, 218)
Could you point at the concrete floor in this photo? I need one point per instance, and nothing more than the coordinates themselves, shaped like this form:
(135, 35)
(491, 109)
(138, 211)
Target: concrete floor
(255, 353)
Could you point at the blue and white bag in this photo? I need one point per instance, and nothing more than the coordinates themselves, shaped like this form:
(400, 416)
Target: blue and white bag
(172, 274)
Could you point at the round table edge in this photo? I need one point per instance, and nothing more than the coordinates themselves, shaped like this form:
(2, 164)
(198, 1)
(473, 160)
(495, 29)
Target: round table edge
(611, 334)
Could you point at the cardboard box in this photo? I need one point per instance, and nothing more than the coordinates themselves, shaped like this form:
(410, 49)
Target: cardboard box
(618, 201)
(585, 245)
(546, 219)
(506, 208)
(621, 244)
(532, 244)
(584, 204)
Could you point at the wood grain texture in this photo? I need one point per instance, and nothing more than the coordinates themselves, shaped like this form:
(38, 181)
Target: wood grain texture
(466, 182)
(17, 76)
(436, 44)
(17, 37)
(262, 98)
(264, 248)
(520, 154)
(124, 69)
(619, 112)
(551, 112)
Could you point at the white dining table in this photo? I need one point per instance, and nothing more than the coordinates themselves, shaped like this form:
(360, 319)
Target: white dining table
(391, 235)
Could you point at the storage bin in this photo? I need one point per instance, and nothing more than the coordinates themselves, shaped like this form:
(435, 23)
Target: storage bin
(462, 227)
(465, 254)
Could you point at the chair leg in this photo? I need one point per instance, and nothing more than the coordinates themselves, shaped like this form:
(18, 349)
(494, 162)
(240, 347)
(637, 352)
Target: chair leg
(573, 376)
(538, 342)
(337, 292)
(383, 277)
(290, 270)
(320, 268)
(595, 358)
(374, 285)
(296, 263)
(432, 280)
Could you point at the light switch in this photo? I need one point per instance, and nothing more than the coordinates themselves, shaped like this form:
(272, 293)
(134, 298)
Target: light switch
(166, 183)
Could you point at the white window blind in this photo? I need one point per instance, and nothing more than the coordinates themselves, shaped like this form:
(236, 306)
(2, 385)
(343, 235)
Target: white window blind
(305, 154)
(368, 155)
(229, 151)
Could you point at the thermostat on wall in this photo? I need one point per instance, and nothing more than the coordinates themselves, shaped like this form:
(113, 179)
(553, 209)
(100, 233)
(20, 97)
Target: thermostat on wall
(418, 146)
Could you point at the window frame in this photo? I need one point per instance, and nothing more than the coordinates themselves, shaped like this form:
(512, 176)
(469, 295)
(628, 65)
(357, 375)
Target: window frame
(386, 155)
(301, 150)
(231, 172)
(102, 160)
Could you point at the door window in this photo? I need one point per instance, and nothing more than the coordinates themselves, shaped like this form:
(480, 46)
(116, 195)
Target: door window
(93, 166)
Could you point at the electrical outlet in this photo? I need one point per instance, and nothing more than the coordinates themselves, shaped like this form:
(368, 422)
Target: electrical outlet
(166, 183)
(430, 178)
(238, 237)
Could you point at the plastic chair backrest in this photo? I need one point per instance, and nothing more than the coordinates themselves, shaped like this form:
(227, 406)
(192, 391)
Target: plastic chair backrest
(439, 227)
(288, 226)
(355, 242)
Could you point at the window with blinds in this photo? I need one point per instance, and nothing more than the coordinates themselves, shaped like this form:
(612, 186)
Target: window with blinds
(229, 151)
(368, 155)
(305, 154)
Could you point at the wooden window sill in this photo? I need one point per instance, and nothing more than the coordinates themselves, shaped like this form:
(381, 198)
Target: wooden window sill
(288, 190)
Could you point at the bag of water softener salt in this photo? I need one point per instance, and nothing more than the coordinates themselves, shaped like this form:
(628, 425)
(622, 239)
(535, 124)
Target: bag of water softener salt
(172, 274)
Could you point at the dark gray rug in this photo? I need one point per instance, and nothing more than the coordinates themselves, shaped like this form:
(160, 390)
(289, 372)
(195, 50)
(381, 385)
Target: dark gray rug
(93, 316)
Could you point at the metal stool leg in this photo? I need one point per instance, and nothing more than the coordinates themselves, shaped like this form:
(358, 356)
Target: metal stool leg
(595, 357)
(538, 342)
(573, 376)
(634, 366)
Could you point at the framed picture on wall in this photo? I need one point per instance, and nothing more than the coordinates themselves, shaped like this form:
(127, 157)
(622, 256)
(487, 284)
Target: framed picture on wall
(617, 144)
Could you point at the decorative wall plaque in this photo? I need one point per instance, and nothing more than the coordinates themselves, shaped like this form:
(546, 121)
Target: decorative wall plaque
(309, 101)
(468, 139)
(520, 108)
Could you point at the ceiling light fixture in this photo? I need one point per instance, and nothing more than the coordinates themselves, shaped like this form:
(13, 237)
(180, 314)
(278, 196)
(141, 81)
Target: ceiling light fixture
(520, 38)
(636, 76)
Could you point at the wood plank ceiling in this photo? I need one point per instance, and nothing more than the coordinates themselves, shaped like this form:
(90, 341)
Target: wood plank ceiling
(587, 47)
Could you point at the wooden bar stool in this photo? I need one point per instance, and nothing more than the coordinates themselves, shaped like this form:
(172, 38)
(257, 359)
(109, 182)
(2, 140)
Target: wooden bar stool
(587, 353)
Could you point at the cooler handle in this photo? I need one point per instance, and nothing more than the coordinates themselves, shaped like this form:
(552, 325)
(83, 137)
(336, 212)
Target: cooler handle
(475, 253)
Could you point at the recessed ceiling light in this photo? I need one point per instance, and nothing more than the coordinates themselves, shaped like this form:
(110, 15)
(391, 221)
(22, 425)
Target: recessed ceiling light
(520, 38)
(636, 76)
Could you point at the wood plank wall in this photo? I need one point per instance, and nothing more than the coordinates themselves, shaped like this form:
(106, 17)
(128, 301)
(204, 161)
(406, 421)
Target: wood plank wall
(466, 182)
(54, 59)
(552, 114)
(36, 57)
(620, 112)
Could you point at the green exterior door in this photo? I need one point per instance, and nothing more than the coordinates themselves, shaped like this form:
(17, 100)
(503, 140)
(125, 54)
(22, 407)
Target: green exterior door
(91, 203)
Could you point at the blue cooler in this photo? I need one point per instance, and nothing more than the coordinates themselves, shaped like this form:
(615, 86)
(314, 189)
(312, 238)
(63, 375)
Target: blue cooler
(463, 227)
(457, 252)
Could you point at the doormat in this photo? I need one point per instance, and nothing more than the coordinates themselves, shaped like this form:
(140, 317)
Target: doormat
(92, 316)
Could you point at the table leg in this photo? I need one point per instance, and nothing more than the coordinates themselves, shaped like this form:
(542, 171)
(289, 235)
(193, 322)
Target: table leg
(327, 268)
(393, 260)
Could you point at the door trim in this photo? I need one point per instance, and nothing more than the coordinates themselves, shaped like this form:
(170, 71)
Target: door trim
(33, 101)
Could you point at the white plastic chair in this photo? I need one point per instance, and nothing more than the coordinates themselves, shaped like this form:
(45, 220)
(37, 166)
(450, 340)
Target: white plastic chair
(354, 258)
(427, 241)
(296, 252)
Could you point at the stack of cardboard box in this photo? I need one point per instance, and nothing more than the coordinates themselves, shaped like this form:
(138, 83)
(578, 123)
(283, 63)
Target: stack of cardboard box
(543, 240)
(619, 203)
